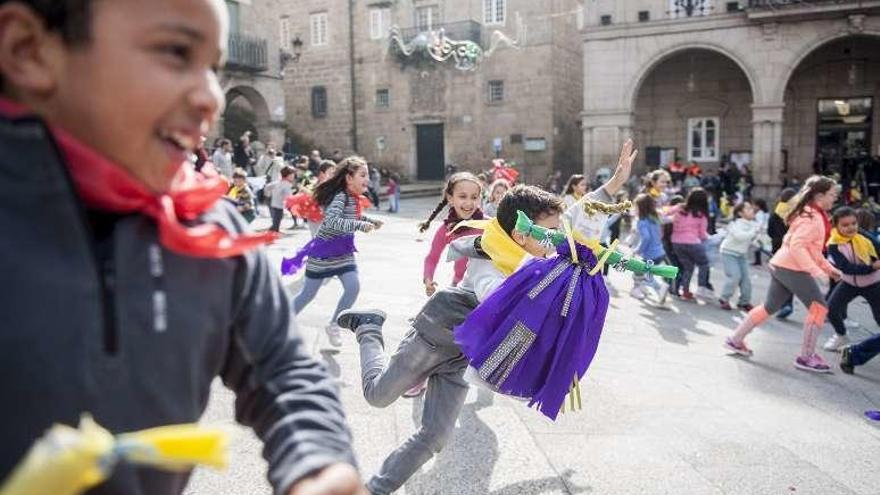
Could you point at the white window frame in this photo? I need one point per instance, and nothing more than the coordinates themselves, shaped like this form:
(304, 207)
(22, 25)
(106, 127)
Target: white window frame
(318, 28)
(387, 102)
(284, 32)
(704, 153)
(433, 11)
(491, 85)
(494, 12)
(380, 22)
(682, 15)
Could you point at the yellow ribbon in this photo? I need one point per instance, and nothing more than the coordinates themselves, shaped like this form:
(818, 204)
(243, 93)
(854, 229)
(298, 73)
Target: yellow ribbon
(862, 246)
(505, 253)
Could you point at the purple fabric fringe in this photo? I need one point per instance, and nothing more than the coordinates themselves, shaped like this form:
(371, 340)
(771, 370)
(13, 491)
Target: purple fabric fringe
(563, 346)
(319, 248)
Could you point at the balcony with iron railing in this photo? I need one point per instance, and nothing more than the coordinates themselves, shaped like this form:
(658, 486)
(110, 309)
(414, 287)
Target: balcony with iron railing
(460, 31)
(247, 53)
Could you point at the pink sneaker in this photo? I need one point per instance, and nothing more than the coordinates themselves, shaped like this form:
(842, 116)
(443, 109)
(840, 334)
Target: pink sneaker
(735, 348)
(813, 363)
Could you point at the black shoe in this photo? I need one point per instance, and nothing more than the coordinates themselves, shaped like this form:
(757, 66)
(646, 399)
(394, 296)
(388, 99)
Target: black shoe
(784, 313)
(846, 360)
(352, 319)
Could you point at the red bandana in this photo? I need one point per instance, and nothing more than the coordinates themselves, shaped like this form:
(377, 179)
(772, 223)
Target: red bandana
(105, 186)
(825, 220)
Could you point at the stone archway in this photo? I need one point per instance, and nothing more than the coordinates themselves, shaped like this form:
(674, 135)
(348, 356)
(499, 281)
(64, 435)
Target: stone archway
(831, 116)
(695, 100)
(246, 109)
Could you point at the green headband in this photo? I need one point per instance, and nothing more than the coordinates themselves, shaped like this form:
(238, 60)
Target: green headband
(547, 237)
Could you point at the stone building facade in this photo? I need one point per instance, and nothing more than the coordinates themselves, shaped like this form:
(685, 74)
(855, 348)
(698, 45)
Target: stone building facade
(251, 79)
(788, 86)
(351, 91)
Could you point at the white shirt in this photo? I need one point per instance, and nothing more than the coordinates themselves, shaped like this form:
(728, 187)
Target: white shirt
(222, 161)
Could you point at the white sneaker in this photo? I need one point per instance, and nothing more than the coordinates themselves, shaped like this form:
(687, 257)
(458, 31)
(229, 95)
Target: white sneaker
(705, 293)
(637, 292)
(851, 324)
(334, 335)
(836, 343)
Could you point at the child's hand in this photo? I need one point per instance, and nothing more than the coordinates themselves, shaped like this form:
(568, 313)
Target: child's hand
(378, 223)
(876, 265)
(369, 228)
(835, 274)
(624, 168)
(430, 287)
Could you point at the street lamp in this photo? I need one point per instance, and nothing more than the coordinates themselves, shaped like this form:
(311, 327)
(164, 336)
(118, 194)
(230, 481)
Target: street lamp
(288, 57)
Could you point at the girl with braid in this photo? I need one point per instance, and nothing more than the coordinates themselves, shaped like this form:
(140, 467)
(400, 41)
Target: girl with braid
(331, 252)
(462, 195)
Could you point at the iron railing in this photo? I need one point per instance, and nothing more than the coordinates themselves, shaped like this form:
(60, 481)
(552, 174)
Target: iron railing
(459, 31)
(247, 53)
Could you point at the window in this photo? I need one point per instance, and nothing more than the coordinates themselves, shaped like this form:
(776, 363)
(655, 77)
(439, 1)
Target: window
(319, 102)
(494, 11)
(427, 17)
(605, 20)
(380, 22)
(644, 16)
(284, 33)
(318, 23)
(496, 91)
(234, 16)
(383, 98)
(689, 8)
(703, 139)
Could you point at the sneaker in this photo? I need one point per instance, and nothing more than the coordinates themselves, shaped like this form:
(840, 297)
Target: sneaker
(836, 343)
(334, 335)
(637, 293)
(813, 363)
(745, 307)
(352, 319)
(846, 360)
(724, 305)
(784, 313)
(735, 348)
(851, 324)
(416, 391)
(705, 293)
(687, 296)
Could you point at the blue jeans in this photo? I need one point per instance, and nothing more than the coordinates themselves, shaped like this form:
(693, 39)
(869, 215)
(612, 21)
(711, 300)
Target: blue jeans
(690, 256)
(351, 287)
(736, 272)
(865, 350)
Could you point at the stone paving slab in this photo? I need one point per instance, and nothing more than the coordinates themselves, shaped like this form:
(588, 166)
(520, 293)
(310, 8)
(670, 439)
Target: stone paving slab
(665, 409)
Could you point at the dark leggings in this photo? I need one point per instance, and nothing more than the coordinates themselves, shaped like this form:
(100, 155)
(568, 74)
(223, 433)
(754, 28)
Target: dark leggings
(843, 294)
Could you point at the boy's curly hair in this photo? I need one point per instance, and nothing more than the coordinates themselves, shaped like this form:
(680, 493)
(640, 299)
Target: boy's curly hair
(70, 18)
(533, 201)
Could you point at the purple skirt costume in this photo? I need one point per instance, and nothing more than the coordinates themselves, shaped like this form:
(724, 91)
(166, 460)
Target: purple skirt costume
(319, 248)
(538, 329)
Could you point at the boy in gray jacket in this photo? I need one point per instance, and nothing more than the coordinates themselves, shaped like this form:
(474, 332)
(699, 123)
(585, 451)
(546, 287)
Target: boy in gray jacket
(135, 285)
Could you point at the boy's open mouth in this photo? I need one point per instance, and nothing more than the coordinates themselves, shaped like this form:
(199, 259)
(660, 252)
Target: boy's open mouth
(180, 140)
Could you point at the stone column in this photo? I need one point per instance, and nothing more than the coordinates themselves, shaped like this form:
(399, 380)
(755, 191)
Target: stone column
(767, 123)
(604, 134)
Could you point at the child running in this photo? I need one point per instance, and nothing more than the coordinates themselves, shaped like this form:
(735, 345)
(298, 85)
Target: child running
(794, 270)
(462, 195)
(776, 230)
(429, 352)
(331, 252)
(855, 255)
(689, 230)
(741, 234)
(650, 247)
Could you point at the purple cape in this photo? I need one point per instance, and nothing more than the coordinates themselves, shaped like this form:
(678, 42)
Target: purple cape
(538, 329)
(319, 248)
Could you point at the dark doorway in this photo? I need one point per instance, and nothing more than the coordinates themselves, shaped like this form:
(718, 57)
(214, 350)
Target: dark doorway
(843, 140)
(429, 152)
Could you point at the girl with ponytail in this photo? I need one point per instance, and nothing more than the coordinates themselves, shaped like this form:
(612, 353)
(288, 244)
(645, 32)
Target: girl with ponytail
(795, 268)
(462, 195)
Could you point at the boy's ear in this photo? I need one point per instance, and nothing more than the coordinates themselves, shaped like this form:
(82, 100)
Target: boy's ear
(28, 52)
(518, 238)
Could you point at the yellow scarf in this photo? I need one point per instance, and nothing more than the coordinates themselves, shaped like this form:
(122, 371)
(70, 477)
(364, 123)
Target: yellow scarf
(505, 253)
(234, 191)
(655, 193)
(782, 209)
(862, 246)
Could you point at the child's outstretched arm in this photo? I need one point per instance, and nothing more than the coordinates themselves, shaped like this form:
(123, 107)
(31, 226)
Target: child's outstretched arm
(334, 217)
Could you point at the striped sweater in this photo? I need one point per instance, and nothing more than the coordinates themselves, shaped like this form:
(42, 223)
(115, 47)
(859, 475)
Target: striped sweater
(340, 219)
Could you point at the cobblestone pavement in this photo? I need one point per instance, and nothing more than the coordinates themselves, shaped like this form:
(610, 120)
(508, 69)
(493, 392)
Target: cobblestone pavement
(665, 409)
